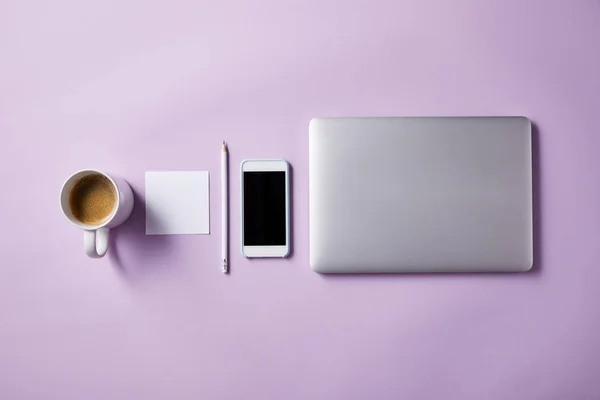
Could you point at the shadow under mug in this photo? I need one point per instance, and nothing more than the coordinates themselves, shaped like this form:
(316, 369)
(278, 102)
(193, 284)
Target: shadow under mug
(95, 237)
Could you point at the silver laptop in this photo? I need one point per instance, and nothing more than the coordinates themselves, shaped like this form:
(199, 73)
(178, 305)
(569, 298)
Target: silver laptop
(447, 194)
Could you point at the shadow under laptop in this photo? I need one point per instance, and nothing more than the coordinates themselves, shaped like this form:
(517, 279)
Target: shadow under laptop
(134, 253)
(537, 222)
(536, 156)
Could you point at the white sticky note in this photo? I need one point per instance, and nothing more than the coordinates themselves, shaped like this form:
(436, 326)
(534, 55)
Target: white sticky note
(177, 203)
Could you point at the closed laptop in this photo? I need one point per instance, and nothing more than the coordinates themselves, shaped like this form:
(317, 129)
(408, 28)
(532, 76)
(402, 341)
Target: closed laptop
(410, 195)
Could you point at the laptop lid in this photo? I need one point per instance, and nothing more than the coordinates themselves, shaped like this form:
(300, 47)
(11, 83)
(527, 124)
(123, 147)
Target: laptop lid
(435, 194)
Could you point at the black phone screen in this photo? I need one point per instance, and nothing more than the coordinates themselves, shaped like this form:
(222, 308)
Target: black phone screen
(264, 208)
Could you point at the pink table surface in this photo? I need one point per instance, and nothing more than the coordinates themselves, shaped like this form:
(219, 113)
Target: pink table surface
(129, 86)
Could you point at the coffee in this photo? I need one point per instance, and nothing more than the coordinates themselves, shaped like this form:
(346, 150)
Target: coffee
(92, 199)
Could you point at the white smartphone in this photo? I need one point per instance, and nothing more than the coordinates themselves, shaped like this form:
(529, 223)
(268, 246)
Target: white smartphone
(265, 208)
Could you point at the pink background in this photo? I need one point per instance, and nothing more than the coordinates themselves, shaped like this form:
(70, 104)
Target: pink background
(131, 85)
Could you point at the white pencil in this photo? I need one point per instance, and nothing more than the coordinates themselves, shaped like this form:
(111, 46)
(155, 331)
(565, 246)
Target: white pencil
(224, 207)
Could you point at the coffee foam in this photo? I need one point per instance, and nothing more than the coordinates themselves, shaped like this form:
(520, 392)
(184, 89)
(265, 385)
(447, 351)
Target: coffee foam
(92, 199)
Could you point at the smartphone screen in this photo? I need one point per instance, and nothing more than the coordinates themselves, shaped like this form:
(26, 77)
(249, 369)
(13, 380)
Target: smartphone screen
(264, 208)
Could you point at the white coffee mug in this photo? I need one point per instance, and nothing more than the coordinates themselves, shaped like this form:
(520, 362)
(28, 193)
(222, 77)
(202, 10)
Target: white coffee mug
(95, 237)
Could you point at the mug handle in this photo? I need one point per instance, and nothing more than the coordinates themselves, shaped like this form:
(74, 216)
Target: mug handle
(96, 242)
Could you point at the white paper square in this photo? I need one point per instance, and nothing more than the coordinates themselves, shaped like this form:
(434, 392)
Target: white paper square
(177, 202)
